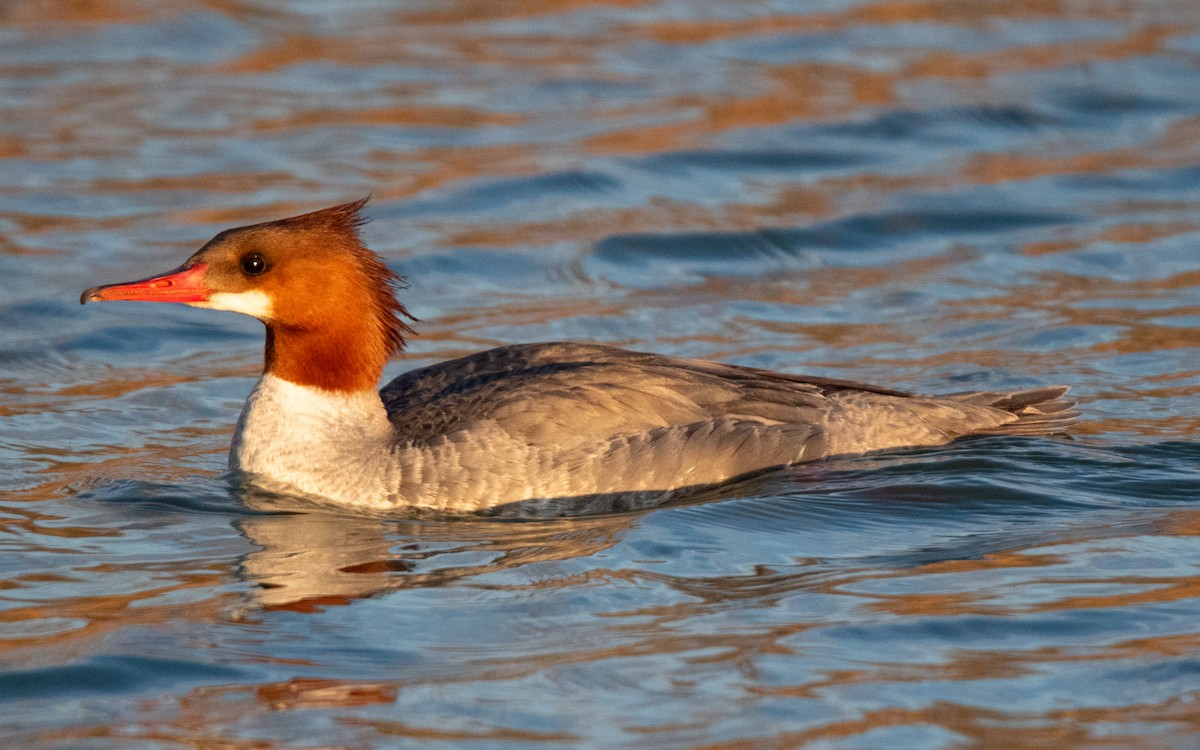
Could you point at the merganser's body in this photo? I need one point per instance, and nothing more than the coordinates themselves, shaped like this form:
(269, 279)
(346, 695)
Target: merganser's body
(517, 423)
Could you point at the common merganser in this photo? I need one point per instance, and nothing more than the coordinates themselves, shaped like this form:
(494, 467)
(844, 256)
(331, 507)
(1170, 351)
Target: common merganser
(531, 422)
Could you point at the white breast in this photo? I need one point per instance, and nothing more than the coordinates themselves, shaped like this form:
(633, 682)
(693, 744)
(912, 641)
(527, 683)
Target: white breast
(300, 439)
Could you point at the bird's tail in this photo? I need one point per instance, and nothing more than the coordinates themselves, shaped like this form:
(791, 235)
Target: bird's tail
(1039, 411)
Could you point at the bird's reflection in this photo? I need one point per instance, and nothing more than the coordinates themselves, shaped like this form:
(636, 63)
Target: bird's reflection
(310, 557)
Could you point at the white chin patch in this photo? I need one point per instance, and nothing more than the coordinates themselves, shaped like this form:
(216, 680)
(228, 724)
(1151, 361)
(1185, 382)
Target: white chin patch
(256, 304)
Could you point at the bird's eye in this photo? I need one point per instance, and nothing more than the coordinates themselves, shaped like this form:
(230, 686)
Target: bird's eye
(253, 264)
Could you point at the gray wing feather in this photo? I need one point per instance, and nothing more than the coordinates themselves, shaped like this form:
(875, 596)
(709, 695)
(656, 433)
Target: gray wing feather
(542, 390)
(600, 418)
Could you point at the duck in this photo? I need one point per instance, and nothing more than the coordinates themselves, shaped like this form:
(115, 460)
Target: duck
(515, 425)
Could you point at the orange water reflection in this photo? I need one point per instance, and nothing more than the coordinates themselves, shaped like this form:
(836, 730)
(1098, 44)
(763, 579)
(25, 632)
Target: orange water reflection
(131, 143)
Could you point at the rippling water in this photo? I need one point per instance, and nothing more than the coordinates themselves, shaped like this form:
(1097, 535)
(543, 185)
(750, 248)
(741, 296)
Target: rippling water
(931, 195)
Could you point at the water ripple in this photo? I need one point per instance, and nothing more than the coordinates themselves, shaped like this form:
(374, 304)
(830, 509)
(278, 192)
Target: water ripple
(937, 196)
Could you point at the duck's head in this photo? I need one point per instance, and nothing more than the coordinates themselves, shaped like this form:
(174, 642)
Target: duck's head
(328, 302)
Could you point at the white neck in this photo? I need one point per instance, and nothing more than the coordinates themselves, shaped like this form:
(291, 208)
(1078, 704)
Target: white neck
(336, 445)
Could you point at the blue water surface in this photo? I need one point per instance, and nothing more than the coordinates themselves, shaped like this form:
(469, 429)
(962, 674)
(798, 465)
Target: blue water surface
(933, 196)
